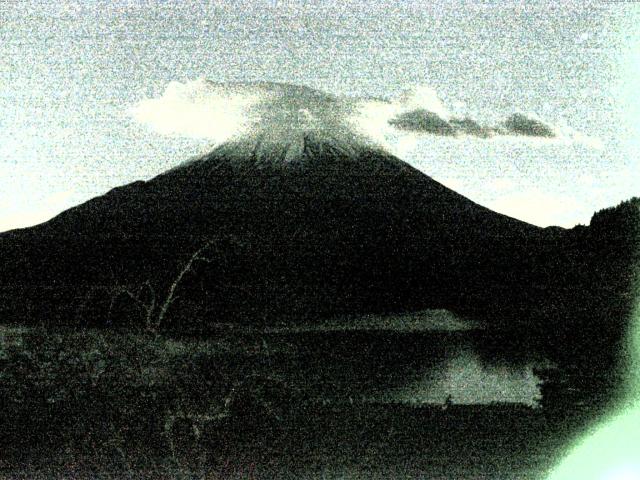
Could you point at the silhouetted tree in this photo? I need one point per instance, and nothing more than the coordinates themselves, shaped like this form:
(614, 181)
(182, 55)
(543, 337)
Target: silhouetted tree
(153, 306)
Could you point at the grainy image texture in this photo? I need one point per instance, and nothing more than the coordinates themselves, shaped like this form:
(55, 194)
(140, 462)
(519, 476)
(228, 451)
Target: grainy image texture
(319, 240)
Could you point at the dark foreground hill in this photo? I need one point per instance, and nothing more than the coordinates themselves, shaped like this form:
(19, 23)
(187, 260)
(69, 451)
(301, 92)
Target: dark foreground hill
(259, 230)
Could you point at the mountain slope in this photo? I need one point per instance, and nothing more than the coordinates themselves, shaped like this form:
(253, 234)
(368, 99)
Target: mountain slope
(312, 226)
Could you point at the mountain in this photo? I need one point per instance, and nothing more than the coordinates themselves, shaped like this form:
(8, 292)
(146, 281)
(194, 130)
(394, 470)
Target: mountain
(263, 228)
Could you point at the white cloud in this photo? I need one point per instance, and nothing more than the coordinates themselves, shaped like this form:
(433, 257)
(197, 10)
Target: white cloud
(197, 109)
(222, 111)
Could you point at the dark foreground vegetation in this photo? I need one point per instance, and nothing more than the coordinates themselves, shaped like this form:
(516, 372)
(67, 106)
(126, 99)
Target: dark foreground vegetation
(109, 404)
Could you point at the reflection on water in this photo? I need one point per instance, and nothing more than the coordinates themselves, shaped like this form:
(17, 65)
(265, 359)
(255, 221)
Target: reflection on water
(465, 379)
(367, 412)
(417, 367)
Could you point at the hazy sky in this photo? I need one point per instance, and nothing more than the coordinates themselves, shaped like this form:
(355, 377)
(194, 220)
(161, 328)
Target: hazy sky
(71, 71)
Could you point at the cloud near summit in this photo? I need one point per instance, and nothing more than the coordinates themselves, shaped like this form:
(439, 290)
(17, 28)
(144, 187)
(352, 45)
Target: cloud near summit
(223, 111)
